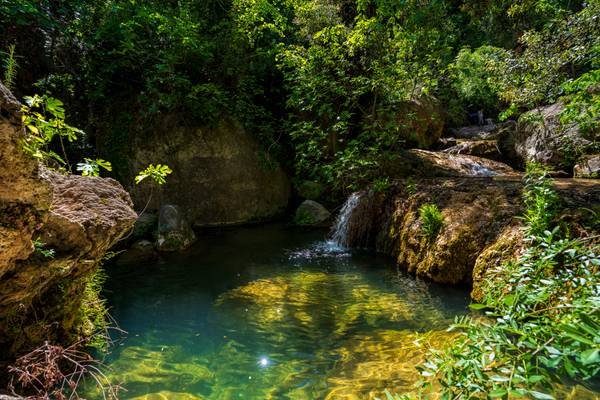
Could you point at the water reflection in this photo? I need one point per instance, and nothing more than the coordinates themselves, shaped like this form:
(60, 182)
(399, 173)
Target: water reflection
(229, 321)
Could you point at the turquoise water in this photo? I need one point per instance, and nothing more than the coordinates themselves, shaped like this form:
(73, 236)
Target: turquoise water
(272, 312)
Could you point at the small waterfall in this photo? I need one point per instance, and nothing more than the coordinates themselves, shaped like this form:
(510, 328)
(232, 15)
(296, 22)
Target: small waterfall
(341, 229)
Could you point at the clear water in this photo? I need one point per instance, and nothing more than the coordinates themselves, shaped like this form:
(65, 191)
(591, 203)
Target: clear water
(272, 312)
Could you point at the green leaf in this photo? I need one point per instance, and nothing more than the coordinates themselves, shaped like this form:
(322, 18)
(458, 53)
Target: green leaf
(591, 356)
(498, 393)
(540, 395)
(477, 306)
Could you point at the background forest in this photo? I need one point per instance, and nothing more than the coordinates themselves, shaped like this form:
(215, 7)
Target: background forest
(328, 86)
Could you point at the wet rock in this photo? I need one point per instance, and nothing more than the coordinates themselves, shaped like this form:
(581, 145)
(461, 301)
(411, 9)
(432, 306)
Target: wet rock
(145, 226)
(73, 219)
(220, 174)
(481, 148)
(311, 213)
(174, 231)
(476, 212)
(143, 245)
(424, 163)
(588, 167)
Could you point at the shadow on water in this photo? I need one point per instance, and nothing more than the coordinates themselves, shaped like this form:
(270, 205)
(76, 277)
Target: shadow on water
(272, 312)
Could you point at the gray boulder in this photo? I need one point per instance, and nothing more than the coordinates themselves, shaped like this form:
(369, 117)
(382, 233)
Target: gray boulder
(540, 137)
(174, 231)
(588, 167)
(311, 213)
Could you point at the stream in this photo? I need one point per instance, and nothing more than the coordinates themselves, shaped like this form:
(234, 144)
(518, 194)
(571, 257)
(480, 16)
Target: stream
(272, 312)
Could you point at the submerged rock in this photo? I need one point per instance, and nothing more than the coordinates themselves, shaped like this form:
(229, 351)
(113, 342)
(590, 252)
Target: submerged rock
(73, 220)
(588, 167)
(174, 231)
(311, 213)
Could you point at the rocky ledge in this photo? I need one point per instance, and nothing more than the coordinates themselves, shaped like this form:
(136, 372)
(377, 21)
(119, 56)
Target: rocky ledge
(54, 231)
(481, 226)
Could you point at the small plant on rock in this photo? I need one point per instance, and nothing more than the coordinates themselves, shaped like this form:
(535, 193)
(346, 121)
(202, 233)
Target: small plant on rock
(433, 220)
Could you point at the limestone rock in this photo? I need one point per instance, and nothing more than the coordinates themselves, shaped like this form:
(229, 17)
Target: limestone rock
(220, 176)
(540, 137)
(74, 219)
(479, 214)
(174, 231)
(429, 164)
(480, 148)
(311, 213)
(588, 167)
(488, 266)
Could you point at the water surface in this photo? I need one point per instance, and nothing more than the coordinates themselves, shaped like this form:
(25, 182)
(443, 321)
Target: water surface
(272, 312)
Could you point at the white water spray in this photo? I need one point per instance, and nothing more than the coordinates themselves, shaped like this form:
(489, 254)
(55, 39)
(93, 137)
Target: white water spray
(340, 230)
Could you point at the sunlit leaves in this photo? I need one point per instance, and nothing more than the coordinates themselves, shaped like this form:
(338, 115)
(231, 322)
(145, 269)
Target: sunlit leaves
(157, 173)
(92, 167)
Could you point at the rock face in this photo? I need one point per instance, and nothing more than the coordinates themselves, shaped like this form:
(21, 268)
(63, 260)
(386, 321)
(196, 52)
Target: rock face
(480, 223)
(219, 176)
(540, 137)
(311, 213)
(73, 219)
(588, 167)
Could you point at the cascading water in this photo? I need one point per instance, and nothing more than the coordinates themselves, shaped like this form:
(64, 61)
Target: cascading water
(339, 237)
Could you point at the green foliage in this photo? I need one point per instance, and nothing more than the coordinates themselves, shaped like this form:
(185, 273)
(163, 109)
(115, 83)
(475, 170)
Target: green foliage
(583, 103)
(40, 247)
(381, 184)
(432, 220)
(93, 312)
(10, 68)
(411, 186)
(157, 173)
(539, 198)
(542, 323)
(44, 119)
(92, 167)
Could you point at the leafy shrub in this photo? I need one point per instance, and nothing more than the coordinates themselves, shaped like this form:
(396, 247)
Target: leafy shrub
(432, 220)
(543, 321)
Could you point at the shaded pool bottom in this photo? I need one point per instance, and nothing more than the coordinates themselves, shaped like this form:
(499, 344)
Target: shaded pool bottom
(272, 313)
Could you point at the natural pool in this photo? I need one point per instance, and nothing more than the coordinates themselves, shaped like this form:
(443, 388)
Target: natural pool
(272, 312)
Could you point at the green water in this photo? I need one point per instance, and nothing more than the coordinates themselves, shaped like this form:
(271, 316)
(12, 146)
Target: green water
(272, 313)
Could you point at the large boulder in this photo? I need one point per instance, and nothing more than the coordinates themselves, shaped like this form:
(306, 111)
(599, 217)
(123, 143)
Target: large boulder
(54, 231)
(480, 216)
(480, 148)
(311, 213)
(220, 175)
(540, 137)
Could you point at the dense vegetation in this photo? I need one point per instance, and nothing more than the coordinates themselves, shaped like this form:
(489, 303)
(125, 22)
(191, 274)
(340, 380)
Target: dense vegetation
(330, 81)
(542, 327)
(331, 89)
